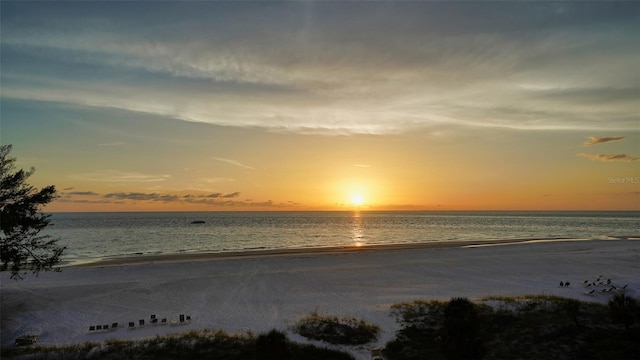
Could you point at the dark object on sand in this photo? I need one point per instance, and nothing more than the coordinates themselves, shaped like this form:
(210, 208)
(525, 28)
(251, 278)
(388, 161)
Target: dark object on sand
(26, 340)
(197, 222)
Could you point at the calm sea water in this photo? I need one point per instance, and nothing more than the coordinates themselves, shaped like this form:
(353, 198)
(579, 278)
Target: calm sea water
(90, 236)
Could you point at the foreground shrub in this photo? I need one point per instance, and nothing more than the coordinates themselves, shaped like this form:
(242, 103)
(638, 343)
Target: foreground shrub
(419, 337)
(624, 309)
(273, 345)
(527, 327)
(437, 330)
(461, 330)
(334, 330)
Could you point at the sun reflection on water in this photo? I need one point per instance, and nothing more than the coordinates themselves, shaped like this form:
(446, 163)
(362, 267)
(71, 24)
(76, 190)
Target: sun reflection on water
(357, 229)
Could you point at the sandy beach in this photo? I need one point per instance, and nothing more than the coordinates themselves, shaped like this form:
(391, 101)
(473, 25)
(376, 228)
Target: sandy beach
(260, 290)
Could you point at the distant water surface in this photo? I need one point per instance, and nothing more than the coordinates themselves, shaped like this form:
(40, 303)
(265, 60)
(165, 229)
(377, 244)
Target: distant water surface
(91, 236)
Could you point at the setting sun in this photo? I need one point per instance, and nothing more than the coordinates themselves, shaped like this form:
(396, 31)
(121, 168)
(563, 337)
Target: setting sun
(357, 199)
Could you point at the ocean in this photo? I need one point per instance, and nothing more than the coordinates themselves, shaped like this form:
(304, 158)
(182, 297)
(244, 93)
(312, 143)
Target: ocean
(93, 236)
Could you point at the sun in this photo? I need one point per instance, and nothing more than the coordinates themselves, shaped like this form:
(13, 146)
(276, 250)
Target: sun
(357, 200)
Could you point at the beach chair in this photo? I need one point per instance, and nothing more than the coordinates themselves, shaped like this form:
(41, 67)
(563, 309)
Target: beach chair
(153, 316)
(132, 325)
(92, 328)
(99, 327)
(154, 321)
(163, 321)
(189, 318)
(26, 340)
(105, 327)
(141, 322)
(114, 325)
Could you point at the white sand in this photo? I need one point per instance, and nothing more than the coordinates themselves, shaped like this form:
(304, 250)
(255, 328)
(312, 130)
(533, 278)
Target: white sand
(237, 294)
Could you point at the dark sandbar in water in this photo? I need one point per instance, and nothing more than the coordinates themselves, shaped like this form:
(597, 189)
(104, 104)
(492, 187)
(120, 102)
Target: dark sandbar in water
(293, 252)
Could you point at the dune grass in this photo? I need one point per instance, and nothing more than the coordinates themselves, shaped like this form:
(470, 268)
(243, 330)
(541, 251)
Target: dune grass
(524, 327)
(336, 330)
(196, 345)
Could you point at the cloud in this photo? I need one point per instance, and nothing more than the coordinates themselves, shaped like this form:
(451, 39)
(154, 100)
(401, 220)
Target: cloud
(86, 197)
(303, 69)
(115, 143)
(119, 176)
(610, 157)
(362, 165)
(137, 196)
(234, 163)
(211, 199)
(213, 196)
(86, 201)
(594, 140)
(82, 193)
(217, 180)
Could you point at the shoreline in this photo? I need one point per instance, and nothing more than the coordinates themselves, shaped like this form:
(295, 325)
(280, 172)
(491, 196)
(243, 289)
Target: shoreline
(294, 252)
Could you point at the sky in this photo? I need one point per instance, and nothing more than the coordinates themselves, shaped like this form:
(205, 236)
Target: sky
(325, 105)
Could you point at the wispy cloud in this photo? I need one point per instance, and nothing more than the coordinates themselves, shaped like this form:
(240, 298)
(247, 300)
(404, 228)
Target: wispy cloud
(226, 200)
(234, 163)
(119, 176)
(81, 193)
(320, 72)
(208, 199)
(115, 143)
(594, 140)
(211, 196)
(137, 196)
(610, 157)
(217, 180)
(362, 165)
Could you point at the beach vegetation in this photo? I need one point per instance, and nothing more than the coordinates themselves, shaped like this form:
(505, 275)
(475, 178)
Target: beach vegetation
(460, 333)
(624, 309)
(273, 345)
(437, 329)
(205, 344)
(336, 330)
(523, 327)
(22, 248)
(420, 313)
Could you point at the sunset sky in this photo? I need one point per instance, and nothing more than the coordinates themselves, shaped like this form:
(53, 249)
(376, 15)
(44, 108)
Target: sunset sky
(128, 106)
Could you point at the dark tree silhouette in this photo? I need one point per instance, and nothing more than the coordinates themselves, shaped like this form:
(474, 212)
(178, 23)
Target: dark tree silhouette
(21, 248)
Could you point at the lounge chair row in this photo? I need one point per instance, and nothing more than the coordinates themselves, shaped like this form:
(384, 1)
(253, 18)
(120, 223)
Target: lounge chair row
(182, 319)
